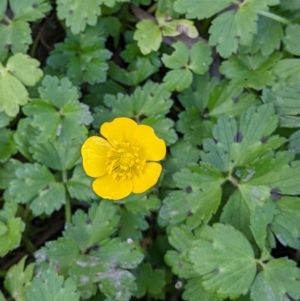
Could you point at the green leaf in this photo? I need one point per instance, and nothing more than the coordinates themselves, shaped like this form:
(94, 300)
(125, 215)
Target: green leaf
(150, 100)
(79, 14)
(132, 225)
(260, 220)
(49, 286)
(59, 114)
(36, 184)
(294, 142)
(200, 8)
(285, 98)
(16, 34)
(56, 155)
(18, 280)
(82, 57)
(250, 71)
(286, 222)
(278, 281)
(163, 128)
(268, 36)
(11, 238)
(236, 213)
(237, 144)
(79, 186)
(29, 10)
(139, 71)
(26, 136)
(148, 30)
(20, 70)
(213, 254)
(199, 199)
(291, 39)
(288, 70)
(7, 172)
(194, 292)
(181, 239)
(235, 27)
(175, 161)
(183, 62)
(141, 203)
(4, 119)
(89, 229)
(150, 281)
(7, 145)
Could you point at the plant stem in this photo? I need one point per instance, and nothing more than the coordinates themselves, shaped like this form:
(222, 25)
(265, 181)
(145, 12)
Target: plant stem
(274, 17)
(68, 201)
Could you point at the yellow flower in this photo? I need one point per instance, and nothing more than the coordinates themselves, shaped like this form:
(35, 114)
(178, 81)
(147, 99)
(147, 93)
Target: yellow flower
(123, 163)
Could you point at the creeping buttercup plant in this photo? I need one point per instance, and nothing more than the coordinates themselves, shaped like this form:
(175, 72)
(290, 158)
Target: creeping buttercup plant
(149, 150)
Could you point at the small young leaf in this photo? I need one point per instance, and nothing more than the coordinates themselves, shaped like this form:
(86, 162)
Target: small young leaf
(212, 257)
(79, 185)
(183, 62)
(148, 30)
(150, 282)
(11, 238)
(49, 286)
(83, 56)
(18, 280)
(12, 80)
(278, 281)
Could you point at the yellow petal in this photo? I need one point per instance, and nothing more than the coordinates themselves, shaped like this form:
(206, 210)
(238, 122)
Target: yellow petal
(148, 178)
(153, 147)
(109, 188)
(93, 153)
(119, 130)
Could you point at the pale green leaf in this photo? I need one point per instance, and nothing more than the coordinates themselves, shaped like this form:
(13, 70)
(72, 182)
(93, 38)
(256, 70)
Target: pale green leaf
(18, 280)
(178, 80)
(288, 70)
(148, 30)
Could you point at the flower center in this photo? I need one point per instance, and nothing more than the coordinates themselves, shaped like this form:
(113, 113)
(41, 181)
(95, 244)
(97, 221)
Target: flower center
(125, 161)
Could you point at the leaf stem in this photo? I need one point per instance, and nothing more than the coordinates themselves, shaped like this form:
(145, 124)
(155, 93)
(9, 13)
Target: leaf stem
(34, 45)
(274, 17)
(68, 201)
(7, 19)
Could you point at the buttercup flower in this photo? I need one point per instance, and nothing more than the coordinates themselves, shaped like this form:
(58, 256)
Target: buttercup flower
(123, 162)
